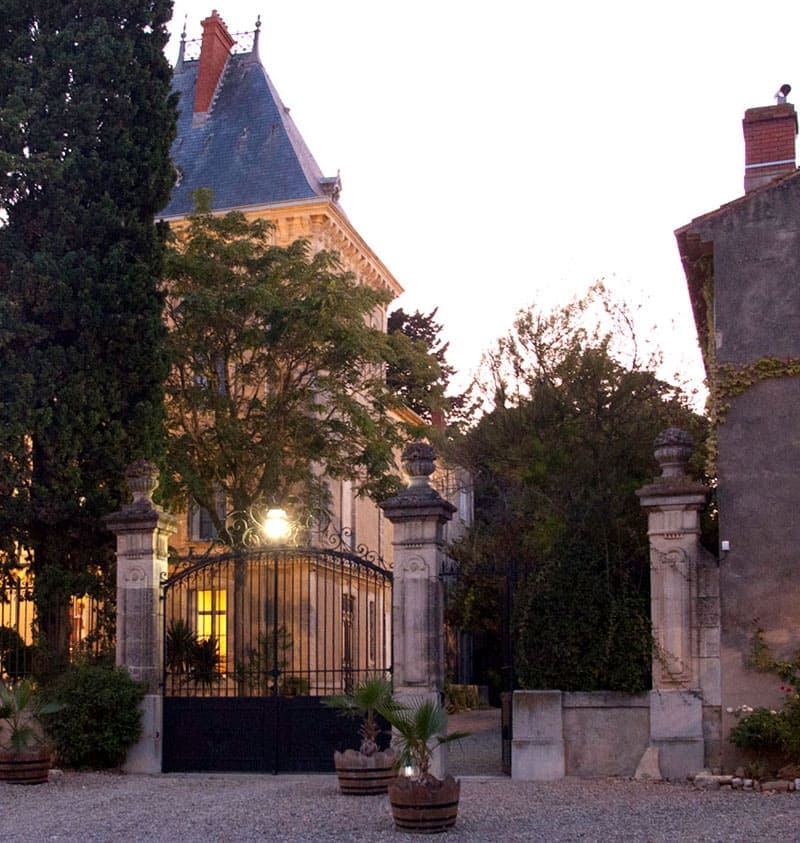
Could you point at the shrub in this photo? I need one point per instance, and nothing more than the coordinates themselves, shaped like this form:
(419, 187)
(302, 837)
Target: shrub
(16, 657)
(759, 729)
(776, 731)
(100, 718)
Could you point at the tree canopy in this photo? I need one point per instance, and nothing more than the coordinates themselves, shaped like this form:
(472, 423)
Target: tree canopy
(86, 123)
(418, 370)
(277, 377)
(557, 461)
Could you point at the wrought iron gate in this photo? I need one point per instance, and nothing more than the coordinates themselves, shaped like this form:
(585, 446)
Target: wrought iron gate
(254, 641)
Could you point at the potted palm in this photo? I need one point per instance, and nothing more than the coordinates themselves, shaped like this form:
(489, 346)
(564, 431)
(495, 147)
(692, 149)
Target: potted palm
(367, 770)
(420, 802)
(24, 755)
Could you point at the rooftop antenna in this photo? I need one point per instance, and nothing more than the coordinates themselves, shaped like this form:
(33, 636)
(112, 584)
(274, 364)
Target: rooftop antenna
(783, 92)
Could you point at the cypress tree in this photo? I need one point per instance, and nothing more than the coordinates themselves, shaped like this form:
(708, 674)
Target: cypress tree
(86, 123)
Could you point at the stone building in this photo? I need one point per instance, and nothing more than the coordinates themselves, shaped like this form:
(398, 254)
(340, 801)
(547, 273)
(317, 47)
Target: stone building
(237, 138)
(237, 649)
(742, 263)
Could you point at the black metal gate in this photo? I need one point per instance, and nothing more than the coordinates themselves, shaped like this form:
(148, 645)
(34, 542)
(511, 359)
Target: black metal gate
(254, 641)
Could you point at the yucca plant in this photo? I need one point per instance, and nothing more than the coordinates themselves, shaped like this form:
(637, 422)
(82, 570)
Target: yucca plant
(181, 642)
(419, 729)
(369, 697)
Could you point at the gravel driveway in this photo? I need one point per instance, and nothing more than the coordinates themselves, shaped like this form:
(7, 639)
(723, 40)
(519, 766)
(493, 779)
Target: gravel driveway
(202, 808)
(236, 807)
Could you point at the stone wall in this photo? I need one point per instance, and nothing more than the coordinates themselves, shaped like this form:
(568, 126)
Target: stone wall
(588, 735)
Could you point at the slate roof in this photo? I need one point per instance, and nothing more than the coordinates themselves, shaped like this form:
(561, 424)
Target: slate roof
(248, 151)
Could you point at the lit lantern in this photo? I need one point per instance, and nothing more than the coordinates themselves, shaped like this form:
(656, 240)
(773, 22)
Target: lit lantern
(276, 525)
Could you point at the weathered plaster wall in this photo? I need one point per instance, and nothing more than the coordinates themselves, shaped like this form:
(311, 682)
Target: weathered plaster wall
(758, 474)
(757, 314)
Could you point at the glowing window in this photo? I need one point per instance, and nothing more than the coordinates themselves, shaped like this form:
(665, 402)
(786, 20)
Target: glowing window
(212, 618)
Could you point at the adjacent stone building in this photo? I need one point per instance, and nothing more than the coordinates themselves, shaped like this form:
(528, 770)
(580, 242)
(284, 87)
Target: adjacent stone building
(742, 264)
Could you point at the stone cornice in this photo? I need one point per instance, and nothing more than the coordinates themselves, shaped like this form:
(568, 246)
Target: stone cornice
(325, 225)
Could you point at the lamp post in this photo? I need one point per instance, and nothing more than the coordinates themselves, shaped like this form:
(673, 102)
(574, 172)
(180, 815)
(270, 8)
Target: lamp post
(276, 528)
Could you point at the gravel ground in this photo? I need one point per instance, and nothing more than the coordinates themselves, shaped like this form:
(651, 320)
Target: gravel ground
(480, 753)
(108, 807)
(90, 807)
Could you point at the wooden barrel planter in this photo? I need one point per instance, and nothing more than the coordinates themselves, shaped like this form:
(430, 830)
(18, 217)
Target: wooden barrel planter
(424, 808)
(364, 775)
(28, 767)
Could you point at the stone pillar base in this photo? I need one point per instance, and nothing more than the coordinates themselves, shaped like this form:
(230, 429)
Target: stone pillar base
(537, 749)
(145, 755)
(676, 730)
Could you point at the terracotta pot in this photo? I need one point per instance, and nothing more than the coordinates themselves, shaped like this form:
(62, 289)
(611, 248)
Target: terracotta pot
(31, 766)
(364, 775)
(424, 808)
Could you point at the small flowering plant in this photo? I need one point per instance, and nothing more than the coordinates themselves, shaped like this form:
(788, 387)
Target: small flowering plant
(758, 728)
(768, 730)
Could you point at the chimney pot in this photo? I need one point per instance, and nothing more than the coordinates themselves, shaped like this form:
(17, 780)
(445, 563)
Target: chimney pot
(769, 143)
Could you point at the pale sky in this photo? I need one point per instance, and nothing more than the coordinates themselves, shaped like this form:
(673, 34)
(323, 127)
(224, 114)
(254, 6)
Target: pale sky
(496, 155)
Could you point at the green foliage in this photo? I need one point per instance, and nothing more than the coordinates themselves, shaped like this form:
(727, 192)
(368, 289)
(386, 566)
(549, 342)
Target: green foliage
(761, 730)
(100, 717)
(559, 541)
(277, 376)
(181, 642)
(190, 658)
(255, 673)
(419, 728)
(369, 696)
(20, 710)
(86, 123)
(575, 631)
(16, 657)
(777, 730)
(418, 370)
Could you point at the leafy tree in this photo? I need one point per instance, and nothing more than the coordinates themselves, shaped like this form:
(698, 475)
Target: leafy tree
(277, 378)
(86, 123)
(557, 462)
(418, 370)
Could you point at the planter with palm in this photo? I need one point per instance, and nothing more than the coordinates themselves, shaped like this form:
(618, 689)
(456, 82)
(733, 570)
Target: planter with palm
(367, 770)
(24, 755)
(420, 802)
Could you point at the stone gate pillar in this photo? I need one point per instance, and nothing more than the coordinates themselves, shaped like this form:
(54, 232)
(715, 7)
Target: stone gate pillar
(684, 606)
(142, 530)
(418, 515)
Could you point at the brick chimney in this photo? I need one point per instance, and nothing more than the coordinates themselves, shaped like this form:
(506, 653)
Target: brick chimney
(769, 134)
(214, 52)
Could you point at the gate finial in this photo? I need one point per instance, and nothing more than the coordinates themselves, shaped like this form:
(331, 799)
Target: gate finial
(142, 477)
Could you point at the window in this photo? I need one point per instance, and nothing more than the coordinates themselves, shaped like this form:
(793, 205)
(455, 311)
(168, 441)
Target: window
(348, 615)
(200, 523)
(212, 619)
(465, 506)
(372, 620)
